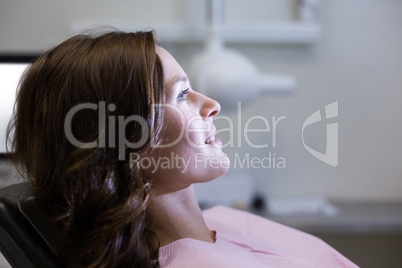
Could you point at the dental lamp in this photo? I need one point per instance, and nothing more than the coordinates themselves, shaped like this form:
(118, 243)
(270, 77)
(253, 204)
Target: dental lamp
(228, 76)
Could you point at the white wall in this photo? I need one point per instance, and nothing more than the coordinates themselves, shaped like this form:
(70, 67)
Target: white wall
(357, 61)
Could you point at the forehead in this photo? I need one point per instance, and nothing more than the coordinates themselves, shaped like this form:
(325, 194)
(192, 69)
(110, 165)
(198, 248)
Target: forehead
(171, 68)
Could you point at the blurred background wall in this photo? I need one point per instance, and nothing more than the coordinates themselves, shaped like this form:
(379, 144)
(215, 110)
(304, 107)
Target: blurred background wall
(356, 61)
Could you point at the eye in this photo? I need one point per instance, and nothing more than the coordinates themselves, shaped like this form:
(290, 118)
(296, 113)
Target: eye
(182, 95)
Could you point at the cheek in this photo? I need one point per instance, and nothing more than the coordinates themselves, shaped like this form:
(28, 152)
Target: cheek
(174, 127)
(198, 131)
(183, 127)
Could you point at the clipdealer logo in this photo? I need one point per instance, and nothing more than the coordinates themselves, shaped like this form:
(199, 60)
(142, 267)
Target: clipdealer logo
(119, 141)
(330, 156)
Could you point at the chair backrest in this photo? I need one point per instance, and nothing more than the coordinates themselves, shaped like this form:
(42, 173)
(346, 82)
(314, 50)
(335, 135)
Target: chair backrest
(27, 238)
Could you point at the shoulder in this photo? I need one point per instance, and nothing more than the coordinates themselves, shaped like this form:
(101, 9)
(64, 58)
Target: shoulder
(247, 240)
(256, 228)
(199, 254)
(233, 220)
(267, 235)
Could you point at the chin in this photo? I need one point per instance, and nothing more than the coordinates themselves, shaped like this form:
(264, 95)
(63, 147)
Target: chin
(215, 171)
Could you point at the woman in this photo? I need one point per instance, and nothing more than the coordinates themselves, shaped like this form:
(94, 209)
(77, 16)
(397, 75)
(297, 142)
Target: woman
(111, 138)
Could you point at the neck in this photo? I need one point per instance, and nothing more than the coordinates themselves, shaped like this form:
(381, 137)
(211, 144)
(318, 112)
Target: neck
(176, 215)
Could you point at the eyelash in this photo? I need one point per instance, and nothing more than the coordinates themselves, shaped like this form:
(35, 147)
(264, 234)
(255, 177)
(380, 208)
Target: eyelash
(183, 95)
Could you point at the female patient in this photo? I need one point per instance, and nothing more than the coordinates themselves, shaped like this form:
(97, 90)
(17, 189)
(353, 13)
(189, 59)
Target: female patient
(111, 137)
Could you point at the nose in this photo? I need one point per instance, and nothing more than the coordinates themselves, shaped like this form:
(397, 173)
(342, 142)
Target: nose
(210, 108)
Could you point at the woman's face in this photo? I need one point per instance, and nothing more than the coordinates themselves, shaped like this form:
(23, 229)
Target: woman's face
(189, 152)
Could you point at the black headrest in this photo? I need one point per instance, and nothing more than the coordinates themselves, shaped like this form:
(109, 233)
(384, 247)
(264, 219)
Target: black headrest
(41, 223)
(27, 238)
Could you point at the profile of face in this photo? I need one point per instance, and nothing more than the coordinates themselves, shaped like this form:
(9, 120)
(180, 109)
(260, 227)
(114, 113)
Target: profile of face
(189, 153)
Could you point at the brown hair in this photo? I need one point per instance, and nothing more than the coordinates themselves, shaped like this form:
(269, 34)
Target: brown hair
(89, 193)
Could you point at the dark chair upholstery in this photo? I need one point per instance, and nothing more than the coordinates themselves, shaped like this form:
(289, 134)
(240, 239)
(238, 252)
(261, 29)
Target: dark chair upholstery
(27, 238)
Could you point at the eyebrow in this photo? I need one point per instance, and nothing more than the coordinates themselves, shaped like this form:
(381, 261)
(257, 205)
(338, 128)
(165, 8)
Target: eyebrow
(179, 79)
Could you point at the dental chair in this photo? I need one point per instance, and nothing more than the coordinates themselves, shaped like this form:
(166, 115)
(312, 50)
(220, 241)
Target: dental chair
(27, 238)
